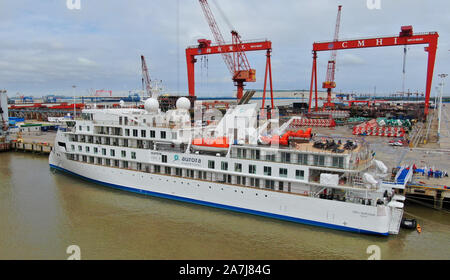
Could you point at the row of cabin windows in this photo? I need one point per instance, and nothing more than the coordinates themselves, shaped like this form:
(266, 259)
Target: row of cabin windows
(256, 154)
(283, 172)
(269, 184)
(112, 152)
(240, 180)
(110, 131)
(318, 160)
(135, 132)
(179, 172)
(125, 120)
(299, 174)
(115, 142)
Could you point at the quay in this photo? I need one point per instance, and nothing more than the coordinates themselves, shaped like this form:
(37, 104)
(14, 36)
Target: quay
(438, 197)
(39, 148)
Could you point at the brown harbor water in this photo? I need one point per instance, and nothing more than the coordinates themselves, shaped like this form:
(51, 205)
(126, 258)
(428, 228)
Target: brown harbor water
(42, 212)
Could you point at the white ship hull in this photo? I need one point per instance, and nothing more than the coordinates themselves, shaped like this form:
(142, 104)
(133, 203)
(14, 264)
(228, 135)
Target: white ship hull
(296, 208)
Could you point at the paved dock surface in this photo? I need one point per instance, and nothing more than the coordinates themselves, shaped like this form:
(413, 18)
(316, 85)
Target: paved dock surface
(431, 156)
(41, 137)
(444, 140)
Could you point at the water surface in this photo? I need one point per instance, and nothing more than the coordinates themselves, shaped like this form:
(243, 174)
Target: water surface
(42, 212)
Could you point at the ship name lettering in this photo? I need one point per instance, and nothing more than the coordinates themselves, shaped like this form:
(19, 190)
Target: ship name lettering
(363, 213)
(193, 160)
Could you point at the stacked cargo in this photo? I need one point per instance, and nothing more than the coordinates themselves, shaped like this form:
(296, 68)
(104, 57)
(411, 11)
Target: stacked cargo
(406, 124)
(357, 120)
(313, 122)
(335, 114)
(373, 128)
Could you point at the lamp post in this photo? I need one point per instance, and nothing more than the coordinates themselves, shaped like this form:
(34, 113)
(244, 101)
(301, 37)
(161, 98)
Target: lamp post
(442, 76)
(438, 90)
(74, 111)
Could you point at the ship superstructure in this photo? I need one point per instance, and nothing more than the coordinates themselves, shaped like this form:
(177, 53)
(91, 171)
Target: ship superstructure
(242, 161)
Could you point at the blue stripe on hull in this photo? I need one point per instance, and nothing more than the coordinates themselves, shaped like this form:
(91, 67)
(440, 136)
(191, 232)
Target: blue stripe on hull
(222, 206)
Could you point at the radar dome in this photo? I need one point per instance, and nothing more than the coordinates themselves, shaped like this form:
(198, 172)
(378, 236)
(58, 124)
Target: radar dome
(183, 103)
(151, 105)
(122, 103)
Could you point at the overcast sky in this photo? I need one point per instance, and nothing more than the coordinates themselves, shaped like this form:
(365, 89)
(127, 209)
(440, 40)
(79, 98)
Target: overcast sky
(45, 48)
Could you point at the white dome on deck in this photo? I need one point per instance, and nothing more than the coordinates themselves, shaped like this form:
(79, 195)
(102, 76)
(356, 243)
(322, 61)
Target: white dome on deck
(183, 103)
(151, 105)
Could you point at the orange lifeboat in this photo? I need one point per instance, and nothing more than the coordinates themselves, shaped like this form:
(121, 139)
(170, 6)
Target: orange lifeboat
(283, 140)
(303, 134)
(299, 132)
(218, 144)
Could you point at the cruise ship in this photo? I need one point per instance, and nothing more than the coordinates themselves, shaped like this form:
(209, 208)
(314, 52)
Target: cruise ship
(244, 160)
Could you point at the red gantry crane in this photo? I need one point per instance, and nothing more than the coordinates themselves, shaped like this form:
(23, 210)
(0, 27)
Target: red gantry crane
(331, 69)
(233, 54)
(406, 37)
(146, 78)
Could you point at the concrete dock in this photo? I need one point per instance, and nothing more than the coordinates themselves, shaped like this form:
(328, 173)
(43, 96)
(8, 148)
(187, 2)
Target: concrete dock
(41, 142)
(39, 148)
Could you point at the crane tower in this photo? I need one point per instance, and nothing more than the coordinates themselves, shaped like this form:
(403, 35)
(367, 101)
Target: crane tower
(331, 68)
(237, 63)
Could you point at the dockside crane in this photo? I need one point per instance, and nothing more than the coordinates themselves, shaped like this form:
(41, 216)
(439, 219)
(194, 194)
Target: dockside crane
(146, 78)
(236, 62)
(330, 83)
(405, 37)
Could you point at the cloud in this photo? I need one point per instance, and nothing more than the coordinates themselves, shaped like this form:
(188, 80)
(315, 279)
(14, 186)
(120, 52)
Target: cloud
(45, 47)
(85, 61)
(350, 59)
